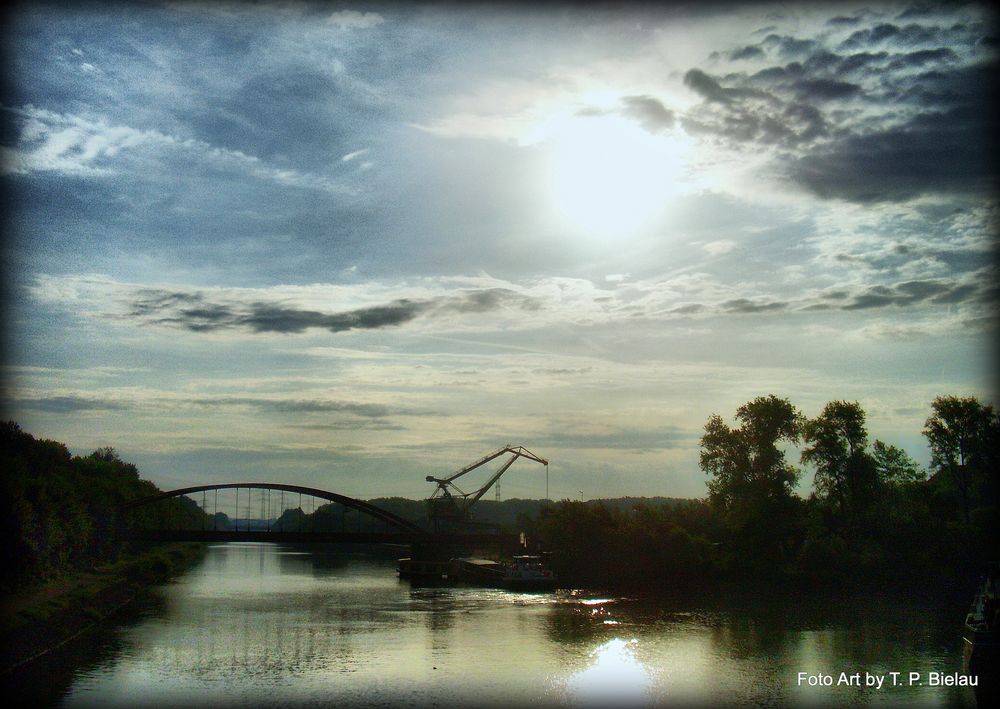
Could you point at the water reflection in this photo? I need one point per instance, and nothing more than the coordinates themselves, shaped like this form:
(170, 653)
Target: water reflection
(260, 623)
(616, 677)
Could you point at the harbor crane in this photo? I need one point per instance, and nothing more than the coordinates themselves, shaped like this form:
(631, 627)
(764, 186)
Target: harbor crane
(450, 507)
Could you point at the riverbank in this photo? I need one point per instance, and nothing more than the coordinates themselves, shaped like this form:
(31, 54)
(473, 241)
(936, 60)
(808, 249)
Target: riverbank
(38, 620)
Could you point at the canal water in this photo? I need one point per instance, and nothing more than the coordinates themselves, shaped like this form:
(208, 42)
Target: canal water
(272, 625)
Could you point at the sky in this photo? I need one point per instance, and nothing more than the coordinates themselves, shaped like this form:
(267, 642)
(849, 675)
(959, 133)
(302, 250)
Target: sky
(351, 245)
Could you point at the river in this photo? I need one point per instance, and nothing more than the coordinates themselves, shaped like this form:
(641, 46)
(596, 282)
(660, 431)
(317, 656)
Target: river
(267, 625)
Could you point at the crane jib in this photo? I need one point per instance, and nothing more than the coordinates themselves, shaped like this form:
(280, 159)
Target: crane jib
(447, 504)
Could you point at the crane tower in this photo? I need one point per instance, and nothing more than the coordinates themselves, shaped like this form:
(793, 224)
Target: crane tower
(450, 508)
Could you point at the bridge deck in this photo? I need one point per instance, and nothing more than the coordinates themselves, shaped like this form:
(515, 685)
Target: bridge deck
(197, 535)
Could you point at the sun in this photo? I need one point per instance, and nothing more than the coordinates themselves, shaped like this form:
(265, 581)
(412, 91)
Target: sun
(608, 175)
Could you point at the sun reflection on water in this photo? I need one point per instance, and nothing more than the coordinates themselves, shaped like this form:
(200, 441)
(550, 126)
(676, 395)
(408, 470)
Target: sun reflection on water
(616, 677)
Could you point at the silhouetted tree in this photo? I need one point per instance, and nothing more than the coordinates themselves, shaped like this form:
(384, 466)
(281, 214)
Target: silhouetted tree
(61, 512)
(752, 483)
(964, 435)
(894, 466)
(846, 475)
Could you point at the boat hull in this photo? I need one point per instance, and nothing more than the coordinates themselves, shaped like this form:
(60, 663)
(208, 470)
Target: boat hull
(981, 659)
(530, 584)
(423, 570)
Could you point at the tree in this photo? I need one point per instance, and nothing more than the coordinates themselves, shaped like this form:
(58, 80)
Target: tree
(846, 475)
(964, 436)
(894, 466)
(745, 462)
(752, 484)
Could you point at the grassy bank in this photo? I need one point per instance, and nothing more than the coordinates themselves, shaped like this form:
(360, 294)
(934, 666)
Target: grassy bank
(36, 620)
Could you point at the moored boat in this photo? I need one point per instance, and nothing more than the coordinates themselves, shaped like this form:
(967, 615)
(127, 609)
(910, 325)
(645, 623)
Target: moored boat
(981, 652)
(426, 570)
(477, 571)
(528, 573)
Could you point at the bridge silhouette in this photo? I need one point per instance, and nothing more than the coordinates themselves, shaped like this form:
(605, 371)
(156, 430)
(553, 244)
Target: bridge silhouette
(394, 529)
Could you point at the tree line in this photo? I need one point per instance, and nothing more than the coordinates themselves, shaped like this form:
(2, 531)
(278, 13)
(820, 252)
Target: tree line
(874, 515)
(62, 512)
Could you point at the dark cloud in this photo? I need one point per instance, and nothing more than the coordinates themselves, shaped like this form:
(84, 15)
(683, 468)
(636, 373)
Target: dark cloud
(750, 52)
(876, 297)
(821, 61)
(842, 21)
(860, 62)
(886, 33)
(649, 112)
(148, 301)
(265, 317)
(69, 404)
(306, 406)
(689, 309)
(743, 305)
(975, 289)
(920, 58)
(951, 151)
(745, 115)
(705, 86)
(789, 46)
(825, 89)
(942, 141)
(193, 312)
(910, 292)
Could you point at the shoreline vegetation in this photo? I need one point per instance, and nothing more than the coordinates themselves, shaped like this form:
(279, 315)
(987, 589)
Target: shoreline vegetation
(38, 620)
(875, 522)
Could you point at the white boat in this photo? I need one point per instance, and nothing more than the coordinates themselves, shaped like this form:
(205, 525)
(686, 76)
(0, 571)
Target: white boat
(527, 572)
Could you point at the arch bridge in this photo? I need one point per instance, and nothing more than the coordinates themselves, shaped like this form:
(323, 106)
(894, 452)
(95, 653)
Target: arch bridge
(384, 526)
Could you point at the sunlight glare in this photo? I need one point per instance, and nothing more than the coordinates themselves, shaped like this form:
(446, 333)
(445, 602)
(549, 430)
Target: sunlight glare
(615, 678)
(609, 175)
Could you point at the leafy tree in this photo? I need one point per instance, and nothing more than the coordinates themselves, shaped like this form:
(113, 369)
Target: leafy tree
(745, 463)
(752, 483)
(894, 466)
(846, 475)
(60, 512)
(964, 437)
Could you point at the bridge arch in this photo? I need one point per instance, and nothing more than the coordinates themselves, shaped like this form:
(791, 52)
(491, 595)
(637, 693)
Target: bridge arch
(360, 505)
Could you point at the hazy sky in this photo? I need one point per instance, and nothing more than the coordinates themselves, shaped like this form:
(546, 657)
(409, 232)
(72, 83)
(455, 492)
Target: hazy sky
(352, 245)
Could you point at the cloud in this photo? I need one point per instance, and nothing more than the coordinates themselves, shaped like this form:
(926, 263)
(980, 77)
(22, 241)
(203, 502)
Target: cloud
(890, 34)
(825, 89)
(824, 110)
(910, 292)
(750, 52)
(649, 112)
(706, 87)
(72, 145)
(194, 311)
(719, 247)
(543, 304)
(130, 400)
(306, 406)
(353, 155)
(354, 20)
(787, 46)
(952, 151)
(743, 305)
(68, 404)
